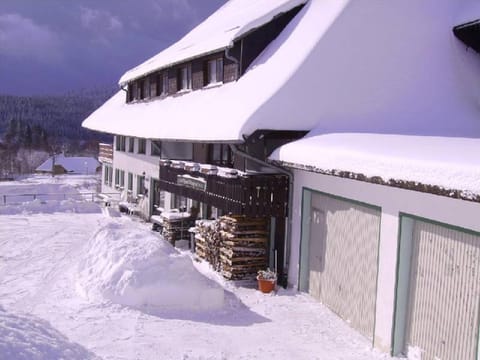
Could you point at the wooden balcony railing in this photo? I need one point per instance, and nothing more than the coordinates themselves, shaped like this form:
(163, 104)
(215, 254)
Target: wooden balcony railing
(251, 195)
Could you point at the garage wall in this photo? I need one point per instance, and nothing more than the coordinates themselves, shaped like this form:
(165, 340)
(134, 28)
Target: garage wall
(393, 201)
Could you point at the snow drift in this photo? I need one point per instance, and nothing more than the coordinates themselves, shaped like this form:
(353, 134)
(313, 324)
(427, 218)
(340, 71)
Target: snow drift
(25, 337)
(134, 267)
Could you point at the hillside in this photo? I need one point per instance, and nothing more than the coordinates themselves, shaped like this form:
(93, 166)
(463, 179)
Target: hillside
(59, 116)
(33, 127)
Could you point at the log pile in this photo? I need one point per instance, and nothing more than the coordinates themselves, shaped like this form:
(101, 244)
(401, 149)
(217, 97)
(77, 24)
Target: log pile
(234, 245)
(208, 241)
(177, 229)
(244, 249)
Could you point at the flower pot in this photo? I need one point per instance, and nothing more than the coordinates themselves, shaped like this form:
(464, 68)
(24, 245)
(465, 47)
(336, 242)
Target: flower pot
(266, 285)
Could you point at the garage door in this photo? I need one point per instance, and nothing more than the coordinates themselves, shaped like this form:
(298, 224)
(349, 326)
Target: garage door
(343, 252)
(443, 315)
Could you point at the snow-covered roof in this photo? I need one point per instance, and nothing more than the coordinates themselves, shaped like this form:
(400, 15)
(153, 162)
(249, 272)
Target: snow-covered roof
(233, 20)
(338, 66)
(73, 165)
(451, 164)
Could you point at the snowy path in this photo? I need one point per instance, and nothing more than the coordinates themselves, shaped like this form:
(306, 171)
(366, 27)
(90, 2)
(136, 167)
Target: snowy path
(37, 276)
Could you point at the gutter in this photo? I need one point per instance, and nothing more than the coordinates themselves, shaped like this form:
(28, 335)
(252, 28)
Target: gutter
(237, 151)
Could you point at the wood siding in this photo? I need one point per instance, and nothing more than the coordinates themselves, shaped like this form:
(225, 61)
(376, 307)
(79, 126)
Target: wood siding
(105, 153)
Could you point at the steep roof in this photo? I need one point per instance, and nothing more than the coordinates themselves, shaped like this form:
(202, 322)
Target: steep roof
(339, 66)
(73, 165)
(233, 20)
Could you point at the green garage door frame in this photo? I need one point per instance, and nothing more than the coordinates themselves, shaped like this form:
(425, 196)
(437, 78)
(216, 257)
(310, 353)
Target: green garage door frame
(403, 276)
(303, 276)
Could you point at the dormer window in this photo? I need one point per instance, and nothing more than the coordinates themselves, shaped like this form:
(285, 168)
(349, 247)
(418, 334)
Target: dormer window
(215, 71)
(185, 78)
(164, 83)
(146, 88)
(139, 90)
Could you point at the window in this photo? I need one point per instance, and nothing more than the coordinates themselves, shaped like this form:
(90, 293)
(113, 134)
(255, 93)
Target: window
(120, 143)
(119, 178)
(146, 88)
(131, 144)
(156, 148)
(220, 154)
(130, 93)
(139, 90)
(185, 78)
(177, 150)
(153, 86)
(140, 185)
(165, 83)
(142, 146)
(105, 175)
(130, 182)
(108, 175)
(162, 83)
(215, 71)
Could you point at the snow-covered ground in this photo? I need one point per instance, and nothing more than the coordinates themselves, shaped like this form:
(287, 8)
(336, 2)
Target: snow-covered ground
(80, 282)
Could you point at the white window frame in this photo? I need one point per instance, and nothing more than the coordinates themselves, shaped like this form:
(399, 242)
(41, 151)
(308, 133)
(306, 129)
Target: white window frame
(185, 78)
(215, 71)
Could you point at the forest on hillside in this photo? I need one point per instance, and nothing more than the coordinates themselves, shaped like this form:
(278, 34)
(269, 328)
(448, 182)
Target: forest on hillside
(34, 127)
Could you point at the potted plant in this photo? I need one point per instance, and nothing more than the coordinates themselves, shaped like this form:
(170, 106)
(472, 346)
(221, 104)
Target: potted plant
(266, 280)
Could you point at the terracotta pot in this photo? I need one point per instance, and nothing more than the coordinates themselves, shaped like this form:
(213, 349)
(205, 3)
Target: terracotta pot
(266, 285)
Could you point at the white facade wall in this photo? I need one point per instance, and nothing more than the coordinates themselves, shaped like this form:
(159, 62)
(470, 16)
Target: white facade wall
(137, 164)
(393, 202)
(144, 164)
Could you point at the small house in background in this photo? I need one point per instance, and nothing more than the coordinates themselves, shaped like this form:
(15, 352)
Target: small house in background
(75, 165)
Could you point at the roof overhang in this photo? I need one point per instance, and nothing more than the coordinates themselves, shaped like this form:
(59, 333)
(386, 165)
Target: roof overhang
(438, 165)
(469, 33)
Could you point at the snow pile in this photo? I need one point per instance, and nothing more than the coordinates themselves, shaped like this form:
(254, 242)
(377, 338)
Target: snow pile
(134, 267)
(25, 337)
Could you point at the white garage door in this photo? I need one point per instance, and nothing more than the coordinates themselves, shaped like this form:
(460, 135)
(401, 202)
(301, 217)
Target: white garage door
(444, 300)
(343, 252)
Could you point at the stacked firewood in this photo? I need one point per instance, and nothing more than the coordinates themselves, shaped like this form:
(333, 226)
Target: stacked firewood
(177, 229)
(234, 245)
(208, 241)
(244, 249)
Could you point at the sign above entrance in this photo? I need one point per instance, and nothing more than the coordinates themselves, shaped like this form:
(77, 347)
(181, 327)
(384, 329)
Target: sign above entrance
(192, 182)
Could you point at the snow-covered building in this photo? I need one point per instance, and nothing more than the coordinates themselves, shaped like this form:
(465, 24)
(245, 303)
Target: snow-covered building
(75, 165)
(383, 222)
(188, 125)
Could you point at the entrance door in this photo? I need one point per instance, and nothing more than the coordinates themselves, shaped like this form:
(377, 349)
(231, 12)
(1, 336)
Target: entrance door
(343, 253)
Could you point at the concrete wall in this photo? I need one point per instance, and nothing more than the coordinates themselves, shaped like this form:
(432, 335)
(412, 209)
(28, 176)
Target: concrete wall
(392, 201)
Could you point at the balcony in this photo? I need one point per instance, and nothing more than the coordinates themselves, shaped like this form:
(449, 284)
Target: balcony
(105, 153)
(257, 194)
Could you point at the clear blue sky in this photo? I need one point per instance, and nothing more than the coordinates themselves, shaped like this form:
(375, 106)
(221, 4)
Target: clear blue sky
(56, 46)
